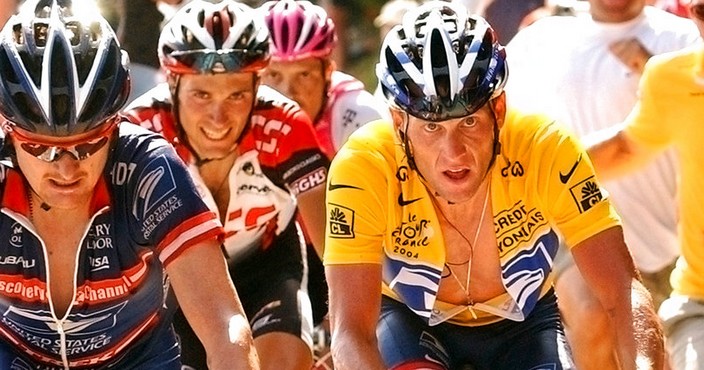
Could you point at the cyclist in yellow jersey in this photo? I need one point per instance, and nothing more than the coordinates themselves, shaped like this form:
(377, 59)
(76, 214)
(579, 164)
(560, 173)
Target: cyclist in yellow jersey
(670, 113)
(443, 224)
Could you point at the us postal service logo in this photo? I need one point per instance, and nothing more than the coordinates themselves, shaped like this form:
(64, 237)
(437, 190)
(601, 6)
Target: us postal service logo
(156, 183)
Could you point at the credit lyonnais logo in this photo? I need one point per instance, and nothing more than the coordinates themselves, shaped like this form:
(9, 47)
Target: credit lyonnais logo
(586, 194)
(341, 222)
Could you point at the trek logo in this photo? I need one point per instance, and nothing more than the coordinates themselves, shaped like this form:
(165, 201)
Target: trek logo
(341, 222)
(586, 194)
(564, 178)
(156, 183)
(403, 203)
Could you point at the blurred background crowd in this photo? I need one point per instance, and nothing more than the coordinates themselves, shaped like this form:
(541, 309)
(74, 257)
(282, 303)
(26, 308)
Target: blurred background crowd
(360, 23)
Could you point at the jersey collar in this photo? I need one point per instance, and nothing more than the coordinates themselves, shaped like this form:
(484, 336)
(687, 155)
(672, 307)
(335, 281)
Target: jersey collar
(15, 195)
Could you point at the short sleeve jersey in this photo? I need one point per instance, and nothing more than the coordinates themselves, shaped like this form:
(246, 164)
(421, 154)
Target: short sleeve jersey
(146, 212)
(380, 212)
(279, 158)
(670, 112)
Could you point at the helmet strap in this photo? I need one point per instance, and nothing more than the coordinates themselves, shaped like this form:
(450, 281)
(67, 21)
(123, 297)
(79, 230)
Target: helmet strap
(326, 63)
(407, 144)
(174, 87)
(496, 145)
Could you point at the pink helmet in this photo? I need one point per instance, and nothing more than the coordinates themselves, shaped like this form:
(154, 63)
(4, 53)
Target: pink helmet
(299, 30)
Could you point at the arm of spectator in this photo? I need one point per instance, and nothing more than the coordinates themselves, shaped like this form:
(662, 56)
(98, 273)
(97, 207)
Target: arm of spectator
(625, 299)
(355, 301)
(311, 204)
(614, 153)
(210, 303)
(632, 53)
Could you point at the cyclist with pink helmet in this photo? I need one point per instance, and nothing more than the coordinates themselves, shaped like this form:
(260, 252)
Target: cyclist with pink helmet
(302, 37)
(257, 164)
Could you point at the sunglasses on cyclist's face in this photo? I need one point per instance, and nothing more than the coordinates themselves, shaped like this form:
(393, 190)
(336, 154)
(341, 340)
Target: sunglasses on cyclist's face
(51, 152)
(697, 10)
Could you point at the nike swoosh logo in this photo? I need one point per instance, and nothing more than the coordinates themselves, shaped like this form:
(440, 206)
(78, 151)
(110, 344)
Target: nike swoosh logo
(564, 178)
(332, 187)
(403, 203)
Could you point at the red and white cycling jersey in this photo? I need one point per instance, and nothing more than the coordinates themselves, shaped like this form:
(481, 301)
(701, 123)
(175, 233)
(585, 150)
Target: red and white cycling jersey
(279, 157)
(348, 107)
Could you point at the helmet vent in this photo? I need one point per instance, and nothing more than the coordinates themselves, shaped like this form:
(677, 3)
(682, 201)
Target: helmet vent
(28, 107)
(201, 18)
(438, 63)
(40, 30)
(7, 73)
(97, 101)
(17, 34)
(187, 34)
(219, 27)
(73, 31)
(95, 31)
(61, 86)
(84, 62)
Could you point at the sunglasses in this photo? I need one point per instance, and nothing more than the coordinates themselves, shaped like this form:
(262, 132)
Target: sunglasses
(697, 11)
(50, 152)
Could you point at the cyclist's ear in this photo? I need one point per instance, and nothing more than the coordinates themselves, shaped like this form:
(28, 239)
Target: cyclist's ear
(398, 117)
(498, 106)
(329, 66)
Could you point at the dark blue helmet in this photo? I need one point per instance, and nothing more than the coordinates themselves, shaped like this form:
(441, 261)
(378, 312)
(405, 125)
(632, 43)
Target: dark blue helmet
(441, 62)
(62, 73)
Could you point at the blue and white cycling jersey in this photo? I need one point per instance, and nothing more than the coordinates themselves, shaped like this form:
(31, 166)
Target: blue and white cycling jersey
(146, 212)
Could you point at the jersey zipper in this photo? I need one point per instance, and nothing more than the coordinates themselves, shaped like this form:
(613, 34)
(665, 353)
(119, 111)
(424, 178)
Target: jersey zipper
(63, 351)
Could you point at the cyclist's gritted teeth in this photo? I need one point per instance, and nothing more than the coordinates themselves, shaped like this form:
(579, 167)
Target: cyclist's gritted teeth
(215, 134)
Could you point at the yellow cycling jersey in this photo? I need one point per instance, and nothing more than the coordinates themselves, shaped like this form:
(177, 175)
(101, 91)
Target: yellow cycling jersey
(670, 112)
(542, 186)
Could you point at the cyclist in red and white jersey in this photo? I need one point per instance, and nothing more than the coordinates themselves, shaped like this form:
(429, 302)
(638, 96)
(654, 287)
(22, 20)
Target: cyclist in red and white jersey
(256, 161)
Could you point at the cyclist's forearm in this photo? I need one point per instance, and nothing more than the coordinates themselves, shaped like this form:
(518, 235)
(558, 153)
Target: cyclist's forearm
(640, 334)
(351, 354)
